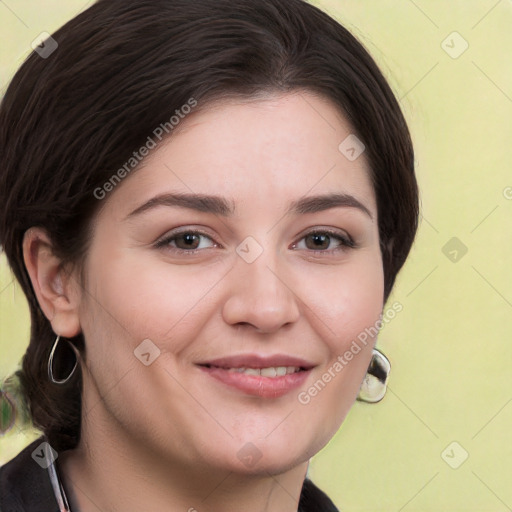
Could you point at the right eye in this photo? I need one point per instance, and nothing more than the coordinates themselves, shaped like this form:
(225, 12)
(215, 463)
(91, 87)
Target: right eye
(186, 241)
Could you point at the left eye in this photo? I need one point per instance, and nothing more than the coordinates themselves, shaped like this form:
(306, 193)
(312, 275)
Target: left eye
(323, 241)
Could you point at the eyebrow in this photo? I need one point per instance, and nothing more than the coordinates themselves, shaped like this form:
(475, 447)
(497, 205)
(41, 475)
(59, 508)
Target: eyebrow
(219, 206)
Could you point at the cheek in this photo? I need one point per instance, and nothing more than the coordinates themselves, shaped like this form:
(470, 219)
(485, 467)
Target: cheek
(145, 297)
(347, 308)
(349, 300)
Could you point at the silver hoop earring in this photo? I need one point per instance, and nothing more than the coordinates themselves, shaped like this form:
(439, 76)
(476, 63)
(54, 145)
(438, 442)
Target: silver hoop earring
(375, 382)
(61, 382)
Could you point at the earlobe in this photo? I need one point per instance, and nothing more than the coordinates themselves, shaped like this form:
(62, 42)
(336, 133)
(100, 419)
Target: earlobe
(56, 290)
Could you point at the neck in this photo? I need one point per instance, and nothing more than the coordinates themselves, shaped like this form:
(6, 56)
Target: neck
(95, 483)
(111, 471)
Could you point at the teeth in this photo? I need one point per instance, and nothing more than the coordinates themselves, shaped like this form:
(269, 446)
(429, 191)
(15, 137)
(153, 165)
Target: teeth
(268, 372)
(271, 371)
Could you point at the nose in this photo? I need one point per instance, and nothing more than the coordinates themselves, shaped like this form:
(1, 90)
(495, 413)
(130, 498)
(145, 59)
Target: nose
(260, 296)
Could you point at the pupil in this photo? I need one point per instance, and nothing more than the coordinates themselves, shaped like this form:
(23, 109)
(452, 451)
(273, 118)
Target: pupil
(190, 240)
(320, 241)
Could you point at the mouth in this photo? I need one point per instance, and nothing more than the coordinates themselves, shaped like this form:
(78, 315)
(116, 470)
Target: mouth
(269, 371)
(266, 377)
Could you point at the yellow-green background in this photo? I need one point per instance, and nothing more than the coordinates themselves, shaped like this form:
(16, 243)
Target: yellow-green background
(451, 346)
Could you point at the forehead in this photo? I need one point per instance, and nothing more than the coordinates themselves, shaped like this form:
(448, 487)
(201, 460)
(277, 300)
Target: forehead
(269, 150)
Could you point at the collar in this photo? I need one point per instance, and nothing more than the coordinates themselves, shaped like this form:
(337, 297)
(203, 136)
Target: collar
(58, 489)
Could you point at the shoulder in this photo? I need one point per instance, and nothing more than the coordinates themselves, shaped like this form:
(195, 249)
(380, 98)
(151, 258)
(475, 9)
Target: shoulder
(312, 499)
(25, 485)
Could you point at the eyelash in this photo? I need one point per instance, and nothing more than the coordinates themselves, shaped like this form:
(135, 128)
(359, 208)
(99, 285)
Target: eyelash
(346, 242)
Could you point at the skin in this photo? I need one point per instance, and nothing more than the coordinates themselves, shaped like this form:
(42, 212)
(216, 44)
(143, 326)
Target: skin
(166, 436)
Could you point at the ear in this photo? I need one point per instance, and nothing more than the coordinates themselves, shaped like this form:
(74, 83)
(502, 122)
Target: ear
(57, 291)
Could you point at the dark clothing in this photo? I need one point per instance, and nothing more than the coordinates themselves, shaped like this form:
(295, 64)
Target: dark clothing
(25, 487)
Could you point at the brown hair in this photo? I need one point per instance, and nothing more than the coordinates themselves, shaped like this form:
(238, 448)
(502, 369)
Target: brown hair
(122, 68)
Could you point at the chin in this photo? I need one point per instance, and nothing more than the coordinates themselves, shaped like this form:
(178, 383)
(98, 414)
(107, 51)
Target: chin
(269, 464)
(276, 456)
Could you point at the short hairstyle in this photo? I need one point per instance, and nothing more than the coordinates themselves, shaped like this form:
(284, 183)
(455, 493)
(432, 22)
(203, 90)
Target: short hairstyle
(122, 68)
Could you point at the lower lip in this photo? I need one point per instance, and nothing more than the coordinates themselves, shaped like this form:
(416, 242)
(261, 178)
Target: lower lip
(256, 385)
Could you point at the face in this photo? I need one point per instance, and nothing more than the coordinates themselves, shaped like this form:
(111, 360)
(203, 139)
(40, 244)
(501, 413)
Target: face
(225, 282)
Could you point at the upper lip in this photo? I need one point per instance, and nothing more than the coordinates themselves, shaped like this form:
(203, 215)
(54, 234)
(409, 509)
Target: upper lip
(258, 361)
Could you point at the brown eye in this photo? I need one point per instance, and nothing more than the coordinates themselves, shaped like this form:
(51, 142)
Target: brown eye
(187, 241)
(317, 241)
(325, 241)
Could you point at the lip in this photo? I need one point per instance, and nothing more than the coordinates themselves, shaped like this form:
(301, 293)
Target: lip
(257, 385)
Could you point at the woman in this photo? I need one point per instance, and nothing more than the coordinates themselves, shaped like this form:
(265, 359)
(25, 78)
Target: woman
(206, 205)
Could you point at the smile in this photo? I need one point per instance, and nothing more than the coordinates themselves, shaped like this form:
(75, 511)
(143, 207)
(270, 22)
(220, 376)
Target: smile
(266, 377)
(271, 371)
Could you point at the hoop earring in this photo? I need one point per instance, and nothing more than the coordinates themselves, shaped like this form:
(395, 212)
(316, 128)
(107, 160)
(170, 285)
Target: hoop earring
(61, 382)
(375, 383)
